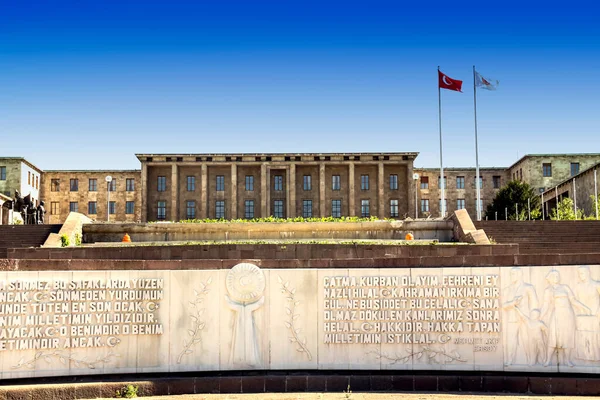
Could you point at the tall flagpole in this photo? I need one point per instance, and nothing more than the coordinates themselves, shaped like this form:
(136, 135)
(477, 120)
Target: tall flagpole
(443, 198)
(477, 183)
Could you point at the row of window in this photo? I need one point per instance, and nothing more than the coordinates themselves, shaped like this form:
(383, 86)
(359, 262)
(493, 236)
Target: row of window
(92, 185)
(92, 207)
(277, 183)
(278, 210)
(460, 182)
(460, 204)
(32, 180)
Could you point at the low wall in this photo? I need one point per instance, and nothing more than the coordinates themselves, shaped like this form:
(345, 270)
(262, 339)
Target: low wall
(247, 318)
(263, 251)
(168, 231)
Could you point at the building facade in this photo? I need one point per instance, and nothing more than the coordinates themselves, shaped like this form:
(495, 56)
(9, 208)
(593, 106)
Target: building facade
(230, 186)
(545, 171)
(16, 173)
(460, 190)
(581, 187)
(87, 192)
(174, 187)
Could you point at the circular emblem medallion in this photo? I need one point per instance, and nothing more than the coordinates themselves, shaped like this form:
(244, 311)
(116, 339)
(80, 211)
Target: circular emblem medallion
(245, 283)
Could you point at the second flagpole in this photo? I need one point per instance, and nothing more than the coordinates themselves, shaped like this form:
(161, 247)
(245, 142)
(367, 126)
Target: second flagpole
(442, 180)
(477, 179)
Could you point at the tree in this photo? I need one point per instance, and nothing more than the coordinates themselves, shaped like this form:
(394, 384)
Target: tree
(566, 211)
(514, 194)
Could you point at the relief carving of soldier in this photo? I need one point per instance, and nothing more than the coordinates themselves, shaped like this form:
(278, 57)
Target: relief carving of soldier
(587, 339)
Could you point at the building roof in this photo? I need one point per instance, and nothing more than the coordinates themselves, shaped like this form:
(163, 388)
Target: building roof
(570, 179)
(91, 171)
(23, 160)
(143, 155)
(554, 155)
(4, 197)
(453, 169)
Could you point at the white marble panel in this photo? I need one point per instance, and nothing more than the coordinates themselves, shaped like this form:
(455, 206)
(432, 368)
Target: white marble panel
(396, 350)
(293, 326)
(331, 355)
(194, 322)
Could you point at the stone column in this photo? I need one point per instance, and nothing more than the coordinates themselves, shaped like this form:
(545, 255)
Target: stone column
(322, 200)
(380, 192)
(204, 192)
(264, 195)
(174, 192)
(233, 191)
(291, 211)
(410, 201)
(144, 199)
(351, 194)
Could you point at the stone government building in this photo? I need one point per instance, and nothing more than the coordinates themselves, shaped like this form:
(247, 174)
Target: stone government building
(283, 185)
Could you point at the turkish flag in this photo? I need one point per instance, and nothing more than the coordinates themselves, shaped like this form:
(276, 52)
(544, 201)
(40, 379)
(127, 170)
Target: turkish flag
(446, 82)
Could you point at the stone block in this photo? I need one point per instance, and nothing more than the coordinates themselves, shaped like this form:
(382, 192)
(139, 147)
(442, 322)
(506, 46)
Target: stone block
(207, 384)
(448, 383)
(426, 383)
(516, 384)
(296, 383)
(275, 383)
(337, 383)
(540, 385)
(471, 383)
(383, 383)
(316, 383)
(563, 386)
(360, 383)
(230, 384)
(403, 383)
(253, 384)
(493, 383)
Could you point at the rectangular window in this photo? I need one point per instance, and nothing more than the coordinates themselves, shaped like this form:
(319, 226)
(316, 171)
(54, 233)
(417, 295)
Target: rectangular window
(393, 182)
(336, 208)
(161, 185)
(2, 173)
(220, 209)
(445, 205)
(574, 168)
(220, 183)
(112, 186)
(130, 184)
(54, 208)
(460, 204)
(278, 183)
(307, 182)
(364, 182)
(190, 209)
(129, 207)
(480, 182)
(364, 209)
(496, 181)
(424, 205)
(37, 182)
(307, 208)
(93, 185)
(112, 207)
(547, 169)
(278, 208)
(29, 177)
(460, 182)
(92, 208)
(440, 182)
(74, 185)
(335, 182)
(424, 182)
(249, 183)
(55, 185)
(161, 211)
(394, 208)
(191, 183)
(249, 209)
(73, 206)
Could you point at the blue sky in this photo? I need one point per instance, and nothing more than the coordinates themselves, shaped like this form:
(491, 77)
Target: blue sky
(86, 85)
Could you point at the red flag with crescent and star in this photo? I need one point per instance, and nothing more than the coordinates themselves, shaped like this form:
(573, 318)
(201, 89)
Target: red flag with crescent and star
(446, 82)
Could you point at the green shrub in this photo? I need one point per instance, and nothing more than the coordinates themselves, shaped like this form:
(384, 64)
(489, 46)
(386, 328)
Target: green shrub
(128, 392)
(64, 241)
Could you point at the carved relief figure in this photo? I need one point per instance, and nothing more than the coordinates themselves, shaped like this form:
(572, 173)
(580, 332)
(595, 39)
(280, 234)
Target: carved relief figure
(537, 331)
(559, 301)
(587, 338)
(521, 294)
(245, 285)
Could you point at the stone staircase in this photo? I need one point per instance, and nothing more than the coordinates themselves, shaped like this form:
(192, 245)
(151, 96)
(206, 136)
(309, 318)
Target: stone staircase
(12, 236)
(546, 237)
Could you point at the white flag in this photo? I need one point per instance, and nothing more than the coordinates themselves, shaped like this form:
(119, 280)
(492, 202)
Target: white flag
(485, 83)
